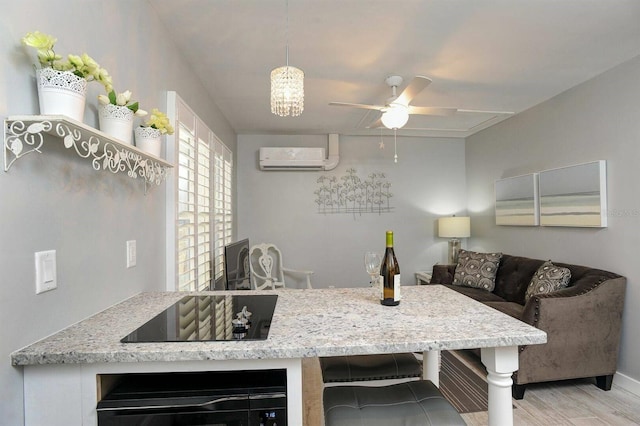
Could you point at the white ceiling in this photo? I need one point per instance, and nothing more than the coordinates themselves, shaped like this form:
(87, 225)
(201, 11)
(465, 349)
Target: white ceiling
(505, 55)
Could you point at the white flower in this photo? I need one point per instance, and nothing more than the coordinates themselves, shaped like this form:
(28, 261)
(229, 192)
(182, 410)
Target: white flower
(104, 99)
(140, 113)
(123, 98)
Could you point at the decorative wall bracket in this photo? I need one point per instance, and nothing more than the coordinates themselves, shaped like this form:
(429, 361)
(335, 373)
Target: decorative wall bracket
(25, 134)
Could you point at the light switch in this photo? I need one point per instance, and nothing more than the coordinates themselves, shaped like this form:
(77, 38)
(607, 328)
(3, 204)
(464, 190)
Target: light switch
(131, 253)
(46, 278)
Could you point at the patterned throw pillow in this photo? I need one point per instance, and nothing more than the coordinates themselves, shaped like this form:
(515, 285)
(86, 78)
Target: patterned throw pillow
(548, 278)
(477, 270)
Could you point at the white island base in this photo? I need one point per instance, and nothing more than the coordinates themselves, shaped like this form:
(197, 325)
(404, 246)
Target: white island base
(67, 394)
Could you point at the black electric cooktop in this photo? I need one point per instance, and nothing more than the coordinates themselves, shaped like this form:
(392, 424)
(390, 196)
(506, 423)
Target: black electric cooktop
(209, 318)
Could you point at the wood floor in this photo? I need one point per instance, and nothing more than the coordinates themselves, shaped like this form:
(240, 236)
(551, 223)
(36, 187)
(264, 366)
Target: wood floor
(572, 403)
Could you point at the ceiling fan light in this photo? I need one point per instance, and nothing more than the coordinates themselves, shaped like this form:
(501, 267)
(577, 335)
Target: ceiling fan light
(395, 117)
(287, 91)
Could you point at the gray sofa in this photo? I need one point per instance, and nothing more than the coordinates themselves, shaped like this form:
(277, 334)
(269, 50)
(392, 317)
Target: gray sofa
(582, 321)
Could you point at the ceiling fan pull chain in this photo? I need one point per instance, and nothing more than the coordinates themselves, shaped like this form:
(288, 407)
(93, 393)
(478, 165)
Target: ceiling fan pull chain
(381, 140)
(395, 145)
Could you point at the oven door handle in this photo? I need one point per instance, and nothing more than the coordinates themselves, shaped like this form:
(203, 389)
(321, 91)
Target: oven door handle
(268, 396)
(193, 403)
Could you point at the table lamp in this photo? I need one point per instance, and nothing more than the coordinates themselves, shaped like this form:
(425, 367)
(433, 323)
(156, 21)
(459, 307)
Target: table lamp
(454, 228)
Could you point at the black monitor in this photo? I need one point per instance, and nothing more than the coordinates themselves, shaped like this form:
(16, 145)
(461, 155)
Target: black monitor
(236, 265)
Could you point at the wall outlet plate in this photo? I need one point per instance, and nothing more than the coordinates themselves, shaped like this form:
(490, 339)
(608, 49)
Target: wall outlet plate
(131, 253)
(46, 271)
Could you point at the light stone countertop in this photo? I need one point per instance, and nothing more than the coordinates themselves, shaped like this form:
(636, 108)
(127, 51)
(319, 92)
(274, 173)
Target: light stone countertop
(306, 323)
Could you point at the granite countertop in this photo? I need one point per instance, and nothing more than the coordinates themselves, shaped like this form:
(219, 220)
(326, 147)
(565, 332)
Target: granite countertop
(306, 323)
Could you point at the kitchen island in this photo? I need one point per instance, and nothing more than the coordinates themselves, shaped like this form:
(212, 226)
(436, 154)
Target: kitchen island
(61, 371)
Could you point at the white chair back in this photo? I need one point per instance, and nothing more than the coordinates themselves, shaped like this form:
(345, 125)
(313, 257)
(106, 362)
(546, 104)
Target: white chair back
(267, 270)
(266, 267)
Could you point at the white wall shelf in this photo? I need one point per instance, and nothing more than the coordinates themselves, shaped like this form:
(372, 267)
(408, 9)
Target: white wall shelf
(25, 134)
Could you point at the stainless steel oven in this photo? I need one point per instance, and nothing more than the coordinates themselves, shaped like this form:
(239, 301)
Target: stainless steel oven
(233, 398)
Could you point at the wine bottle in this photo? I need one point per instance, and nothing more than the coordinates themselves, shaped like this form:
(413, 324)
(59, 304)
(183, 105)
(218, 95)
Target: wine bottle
(390, 273)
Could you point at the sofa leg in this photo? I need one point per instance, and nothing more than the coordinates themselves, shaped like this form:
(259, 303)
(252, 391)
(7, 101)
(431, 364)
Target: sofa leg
(604, 382)
(517, 391)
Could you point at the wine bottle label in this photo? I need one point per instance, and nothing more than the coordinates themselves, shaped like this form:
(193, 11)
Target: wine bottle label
(396, 288)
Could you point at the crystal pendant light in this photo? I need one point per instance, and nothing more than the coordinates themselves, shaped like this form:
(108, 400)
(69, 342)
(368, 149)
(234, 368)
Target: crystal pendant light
(287, 86)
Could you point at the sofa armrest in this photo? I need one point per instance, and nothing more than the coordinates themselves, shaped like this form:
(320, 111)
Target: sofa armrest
(442, 274)
(583, 325)
(583, 286)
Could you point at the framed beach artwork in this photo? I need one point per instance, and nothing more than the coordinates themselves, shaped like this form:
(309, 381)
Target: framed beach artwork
(517, 201)
(574, 195)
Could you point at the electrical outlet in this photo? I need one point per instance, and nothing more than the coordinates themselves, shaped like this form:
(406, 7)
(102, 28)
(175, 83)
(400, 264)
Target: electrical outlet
(131, 253)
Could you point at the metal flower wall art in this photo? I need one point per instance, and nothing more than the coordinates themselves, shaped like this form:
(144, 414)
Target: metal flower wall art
(352, 195)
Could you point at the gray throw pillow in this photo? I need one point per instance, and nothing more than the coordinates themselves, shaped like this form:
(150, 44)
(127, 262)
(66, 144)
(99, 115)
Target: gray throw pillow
(548, 278)
(477, 270)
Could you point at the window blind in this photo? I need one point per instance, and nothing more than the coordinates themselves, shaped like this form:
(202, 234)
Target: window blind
(223, 210)
(204, 215)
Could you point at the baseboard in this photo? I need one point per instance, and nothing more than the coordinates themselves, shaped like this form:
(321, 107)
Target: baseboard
(627, 383)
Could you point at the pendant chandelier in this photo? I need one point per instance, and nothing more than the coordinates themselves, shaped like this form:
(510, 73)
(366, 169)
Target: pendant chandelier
(287, 86)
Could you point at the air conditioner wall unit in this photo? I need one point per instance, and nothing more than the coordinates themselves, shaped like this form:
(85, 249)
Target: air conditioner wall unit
(292, 158)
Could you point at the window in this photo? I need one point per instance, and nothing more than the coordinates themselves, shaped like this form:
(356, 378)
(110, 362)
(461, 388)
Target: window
(203, 204)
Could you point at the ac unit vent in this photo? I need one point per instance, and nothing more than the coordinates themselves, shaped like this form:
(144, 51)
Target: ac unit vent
(291, 158)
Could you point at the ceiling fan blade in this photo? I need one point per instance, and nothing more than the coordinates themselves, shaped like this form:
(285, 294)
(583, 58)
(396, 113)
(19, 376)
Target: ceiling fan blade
(480, 111)
(444, 112)
(416, 86)
(376, 124)
(363, 106)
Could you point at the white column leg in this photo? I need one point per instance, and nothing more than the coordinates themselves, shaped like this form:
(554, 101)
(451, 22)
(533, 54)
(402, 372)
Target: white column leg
(501, 362)
(431, 366)
(295, 405)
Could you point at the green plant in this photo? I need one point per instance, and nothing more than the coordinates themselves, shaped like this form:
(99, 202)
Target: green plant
(83, 66)
(159, 120)
(122, 99)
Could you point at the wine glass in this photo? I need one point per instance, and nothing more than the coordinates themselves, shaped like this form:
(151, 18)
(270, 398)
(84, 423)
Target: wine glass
(372, 261)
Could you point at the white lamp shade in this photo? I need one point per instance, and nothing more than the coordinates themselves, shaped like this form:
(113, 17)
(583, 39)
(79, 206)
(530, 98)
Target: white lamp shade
(395, 117)
(454, 227)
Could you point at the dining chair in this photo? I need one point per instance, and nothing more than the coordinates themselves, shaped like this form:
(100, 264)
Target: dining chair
(267, 269)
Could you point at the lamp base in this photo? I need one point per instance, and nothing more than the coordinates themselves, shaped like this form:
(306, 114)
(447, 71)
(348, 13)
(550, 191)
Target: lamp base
(454, 249)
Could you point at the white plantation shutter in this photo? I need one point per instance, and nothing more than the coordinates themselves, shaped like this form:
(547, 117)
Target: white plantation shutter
(186, 209)
(203, 237)
(203, 214)
(223, 213)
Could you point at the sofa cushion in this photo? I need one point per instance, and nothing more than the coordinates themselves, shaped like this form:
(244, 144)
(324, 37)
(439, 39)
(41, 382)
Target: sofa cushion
(547, 279)
(477, 270)
(514, 276)
(478, 294)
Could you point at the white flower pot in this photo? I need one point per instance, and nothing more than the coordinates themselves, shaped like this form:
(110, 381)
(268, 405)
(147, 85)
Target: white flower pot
(116, 121)
(61, 93)
(149, 140)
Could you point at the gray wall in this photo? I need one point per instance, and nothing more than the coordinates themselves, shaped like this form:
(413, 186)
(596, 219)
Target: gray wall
(55, 200)
(598, 120)
(278, 206)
